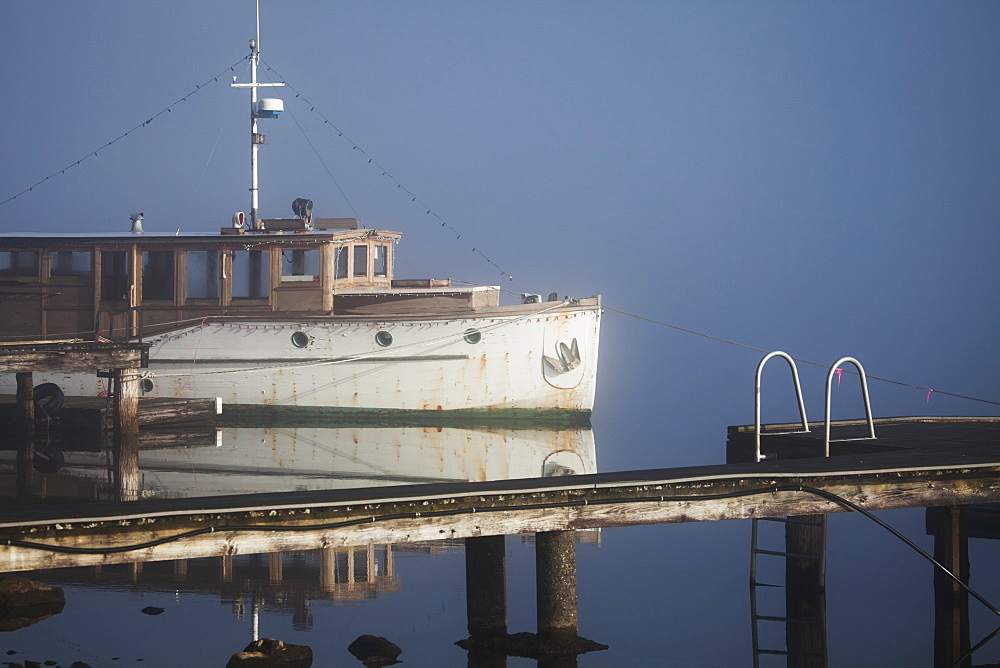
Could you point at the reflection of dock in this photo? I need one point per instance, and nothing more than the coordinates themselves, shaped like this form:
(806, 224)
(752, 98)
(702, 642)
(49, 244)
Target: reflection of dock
(948, 473)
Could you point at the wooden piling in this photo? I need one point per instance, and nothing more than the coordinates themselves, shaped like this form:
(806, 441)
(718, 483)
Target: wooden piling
(555, 582)
(327, 568)
(486, 586)
(275, 570)
(805, 591)
(951, 601)
(25, 435)
(126, 434)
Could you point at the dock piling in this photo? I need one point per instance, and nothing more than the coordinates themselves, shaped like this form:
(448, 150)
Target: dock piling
(949, 526)
(555, 564)
(126, 433)
(26, 434)
(486, 586)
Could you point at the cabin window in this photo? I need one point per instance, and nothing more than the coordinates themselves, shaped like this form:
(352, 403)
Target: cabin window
(157, 275)
(251, 274)
(114, 276)
(380, 262)
(383, 338)
(361, 260)
(19, 263)
(340, 263)
(71, 263)
(300, 265)
(202, 275)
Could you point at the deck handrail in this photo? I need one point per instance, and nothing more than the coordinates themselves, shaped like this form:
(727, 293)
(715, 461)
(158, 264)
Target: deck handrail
(798, 394)
(829, 391)
(111, 322)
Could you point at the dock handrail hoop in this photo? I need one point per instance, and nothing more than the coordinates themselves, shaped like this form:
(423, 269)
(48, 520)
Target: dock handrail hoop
(756, 406)
(829, 391)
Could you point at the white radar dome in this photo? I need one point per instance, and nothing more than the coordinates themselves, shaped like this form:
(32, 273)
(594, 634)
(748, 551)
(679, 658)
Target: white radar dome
(270, 107)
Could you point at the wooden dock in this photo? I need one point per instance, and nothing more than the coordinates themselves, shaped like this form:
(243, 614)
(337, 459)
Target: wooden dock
(84, 417)
(945, 462)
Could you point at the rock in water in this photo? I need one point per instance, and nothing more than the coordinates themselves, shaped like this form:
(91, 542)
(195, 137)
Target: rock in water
(24, 602)
(151, 610)
(374, 650)
(268, 652)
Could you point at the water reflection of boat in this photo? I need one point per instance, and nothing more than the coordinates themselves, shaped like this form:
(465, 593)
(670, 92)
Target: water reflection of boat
(265, 460)
(280, 582)
(256, 460)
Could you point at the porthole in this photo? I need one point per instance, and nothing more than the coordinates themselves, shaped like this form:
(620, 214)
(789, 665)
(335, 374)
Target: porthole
(383, 338)
(473, 336)
(146, 385)
(300, 339)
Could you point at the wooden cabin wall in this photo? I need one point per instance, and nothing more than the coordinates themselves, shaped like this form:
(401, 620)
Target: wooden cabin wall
(403, 305)
(44, 303)
(22, 312)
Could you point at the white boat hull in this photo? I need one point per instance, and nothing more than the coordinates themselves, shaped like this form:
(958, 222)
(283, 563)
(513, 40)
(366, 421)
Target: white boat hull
(528, 361)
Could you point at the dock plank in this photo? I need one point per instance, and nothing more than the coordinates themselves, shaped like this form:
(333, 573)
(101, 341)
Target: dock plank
(942, 471)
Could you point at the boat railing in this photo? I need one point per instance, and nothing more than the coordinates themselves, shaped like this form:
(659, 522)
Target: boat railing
(133, 321)
(798, 395)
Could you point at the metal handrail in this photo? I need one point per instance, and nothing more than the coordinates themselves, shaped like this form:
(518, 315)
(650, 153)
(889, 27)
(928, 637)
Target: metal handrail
(864, 391)
(111, 322)
(798, 394)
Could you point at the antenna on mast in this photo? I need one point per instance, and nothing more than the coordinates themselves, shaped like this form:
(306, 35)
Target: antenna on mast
(265, 108)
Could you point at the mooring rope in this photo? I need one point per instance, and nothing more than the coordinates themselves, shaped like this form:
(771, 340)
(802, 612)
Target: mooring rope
(797, 359)
(376, 354)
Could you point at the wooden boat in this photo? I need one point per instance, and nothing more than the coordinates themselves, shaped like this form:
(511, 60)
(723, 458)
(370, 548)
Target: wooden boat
(313, 318)
(300, 312)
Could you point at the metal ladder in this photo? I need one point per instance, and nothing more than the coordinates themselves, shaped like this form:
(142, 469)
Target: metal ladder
(804, 616)
(802, 408)
(804, 549)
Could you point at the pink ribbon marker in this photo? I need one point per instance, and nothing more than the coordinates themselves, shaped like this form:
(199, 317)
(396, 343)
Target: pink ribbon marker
(839, 371)
(929, 395)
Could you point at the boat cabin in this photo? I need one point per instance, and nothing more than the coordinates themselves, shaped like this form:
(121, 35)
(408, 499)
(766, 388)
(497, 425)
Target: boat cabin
(56, 286)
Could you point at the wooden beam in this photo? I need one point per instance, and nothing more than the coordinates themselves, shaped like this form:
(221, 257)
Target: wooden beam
(71, 356)
(335, 223)
(571, 503)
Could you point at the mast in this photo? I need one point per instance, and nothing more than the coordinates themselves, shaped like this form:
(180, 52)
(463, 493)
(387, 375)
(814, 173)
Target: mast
(256, 138)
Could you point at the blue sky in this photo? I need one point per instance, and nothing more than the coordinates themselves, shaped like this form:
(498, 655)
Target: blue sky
(822, 177)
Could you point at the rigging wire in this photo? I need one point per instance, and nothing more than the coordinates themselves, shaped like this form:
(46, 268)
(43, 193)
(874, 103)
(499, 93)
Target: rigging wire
(208, 161)
(399, 185)
(92, 154)
(373, 355)
(325, 167)
(797, 359)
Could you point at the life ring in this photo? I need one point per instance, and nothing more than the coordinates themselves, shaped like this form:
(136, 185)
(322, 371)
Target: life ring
(48, 397)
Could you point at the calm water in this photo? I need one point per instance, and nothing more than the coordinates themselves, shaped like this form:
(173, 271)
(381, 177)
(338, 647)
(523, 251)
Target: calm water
(658, 595)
